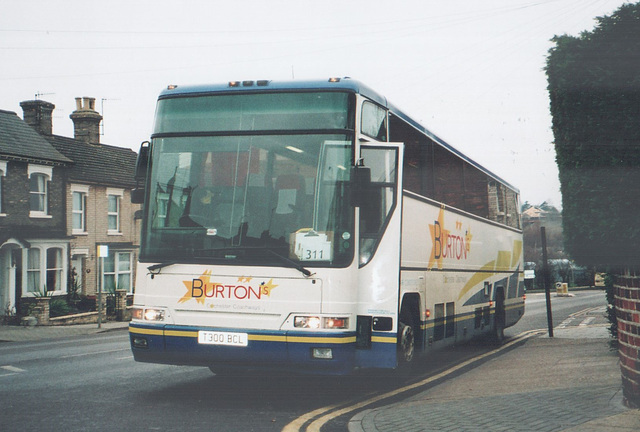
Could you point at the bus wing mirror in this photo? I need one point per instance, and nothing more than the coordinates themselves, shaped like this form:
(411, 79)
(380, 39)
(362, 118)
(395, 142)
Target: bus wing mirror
(137, 196)
(360, 184)
(142, 162)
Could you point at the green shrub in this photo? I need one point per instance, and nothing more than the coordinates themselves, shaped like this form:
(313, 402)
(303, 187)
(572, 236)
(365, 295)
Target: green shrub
(58, 306)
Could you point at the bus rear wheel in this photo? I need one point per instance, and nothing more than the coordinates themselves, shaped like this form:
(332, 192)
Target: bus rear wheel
(499, 321)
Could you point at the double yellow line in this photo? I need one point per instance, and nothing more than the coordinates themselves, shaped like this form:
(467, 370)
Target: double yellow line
(328, 413)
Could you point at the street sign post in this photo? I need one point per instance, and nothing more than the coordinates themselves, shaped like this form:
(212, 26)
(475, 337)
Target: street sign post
(103, 251)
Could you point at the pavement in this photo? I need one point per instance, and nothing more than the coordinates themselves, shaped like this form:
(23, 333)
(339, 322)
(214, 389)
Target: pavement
(35, 333)
(570, 383)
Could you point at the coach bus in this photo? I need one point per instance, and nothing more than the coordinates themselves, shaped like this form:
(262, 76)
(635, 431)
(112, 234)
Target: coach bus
(314, 227)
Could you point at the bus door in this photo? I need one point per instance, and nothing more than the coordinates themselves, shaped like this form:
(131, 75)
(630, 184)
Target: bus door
(379, 255)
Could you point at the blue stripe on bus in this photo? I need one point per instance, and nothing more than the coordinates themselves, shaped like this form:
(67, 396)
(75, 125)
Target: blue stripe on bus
(171, 344)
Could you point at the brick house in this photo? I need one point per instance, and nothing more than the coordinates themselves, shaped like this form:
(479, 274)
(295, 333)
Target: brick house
(34, 244)
(97, 199)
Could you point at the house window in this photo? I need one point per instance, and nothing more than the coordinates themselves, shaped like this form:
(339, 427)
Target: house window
(117, 272)
(114, 199)
(79, 212)
(54, 269)
(33, 270)
(39, 177)
(114, 213)
(3, 172)
(46, 269)
(163, 208)
(38, 193)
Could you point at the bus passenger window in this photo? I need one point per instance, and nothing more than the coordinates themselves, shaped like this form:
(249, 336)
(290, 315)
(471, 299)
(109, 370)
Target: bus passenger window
(413, 167)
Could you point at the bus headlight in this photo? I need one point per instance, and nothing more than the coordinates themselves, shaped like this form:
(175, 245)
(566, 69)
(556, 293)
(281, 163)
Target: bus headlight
(314, 322)
(310, 322)
(153, 314)
(147, 314)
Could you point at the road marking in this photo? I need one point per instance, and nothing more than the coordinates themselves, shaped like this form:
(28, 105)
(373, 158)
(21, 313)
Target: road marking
(12, 368)
(317, 424)
(125, 358)
(586, 321)
(565, 323)
(94, 353)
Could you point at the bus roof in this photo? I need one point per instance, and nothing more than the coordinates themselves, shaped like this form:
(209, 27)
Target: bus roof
(332, 84)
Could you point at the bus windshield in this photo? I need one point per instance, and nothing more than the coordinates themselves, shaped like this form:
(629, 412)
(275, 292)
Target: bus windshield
(258, 197)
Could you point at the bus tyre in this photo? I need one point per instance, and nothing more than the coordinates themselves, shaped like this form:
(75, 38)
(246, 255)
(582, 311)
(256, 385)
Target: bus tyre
(499, 323)
(406, 342)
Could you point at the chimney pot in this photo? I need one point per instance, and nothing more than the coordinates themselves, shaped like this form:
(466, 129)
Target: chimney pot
(86, 121)
(38, 115)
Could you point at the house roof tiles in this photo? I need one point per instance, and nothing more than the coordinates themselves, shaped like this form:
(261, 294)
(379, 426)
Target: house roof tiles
(18, 140)
(97, 163)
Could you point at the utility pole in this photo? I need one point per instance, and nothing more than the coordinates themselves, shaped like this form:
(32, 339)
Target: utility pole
(545, 278)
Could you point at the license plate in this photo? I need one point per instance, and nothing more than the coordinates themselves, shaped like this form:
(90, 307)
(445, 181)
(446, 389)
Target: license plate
(223, 338)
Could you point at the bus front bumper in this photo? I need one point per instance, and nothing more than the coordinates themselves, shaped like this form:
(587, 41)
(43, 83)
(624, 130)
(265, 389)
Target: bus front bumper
(304, 352)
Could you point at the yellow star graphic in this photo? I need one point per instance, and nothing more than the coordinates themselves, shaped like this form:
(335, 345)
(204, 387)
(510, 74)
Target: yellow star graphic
(265, 288)
(189, 285)
(439, 237)
(244, 279)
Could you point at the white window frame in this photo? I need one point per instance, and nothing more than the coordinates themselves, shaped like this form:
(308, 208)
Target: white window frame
(117, 259)
(118, 194)
(47, 173)
(84, 192)
(43, 247)
(29, 270)
(58, 269)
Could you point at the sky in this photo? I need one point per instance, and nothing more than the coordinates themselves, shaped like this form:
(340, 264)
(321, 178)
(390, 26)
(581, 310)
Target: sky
(471, 71)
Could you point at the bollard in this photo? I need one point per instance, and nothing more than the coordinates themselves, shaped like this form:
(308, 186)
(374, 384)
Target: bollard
(562, 289)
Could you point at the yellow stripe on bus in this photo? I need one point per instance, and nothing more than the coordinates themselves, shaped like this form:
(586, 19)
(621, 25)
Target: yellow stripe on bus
(333, 340)
(267, 338)
(181, 333)
(384, 339)
(147, 331)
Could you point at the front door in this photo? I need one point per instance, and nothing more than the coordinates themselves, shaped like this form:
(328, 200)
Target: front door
(379, 248)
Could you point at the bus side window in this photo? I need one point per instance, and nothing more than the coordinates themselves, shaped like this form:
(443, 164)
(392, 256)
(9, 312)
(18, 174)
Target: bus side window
(418, 157)
(476, 198)
(374, 121)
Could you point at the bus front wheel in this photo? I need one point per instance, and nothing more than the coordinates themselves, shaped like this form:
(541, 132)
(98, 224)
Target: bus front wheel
(406, 341)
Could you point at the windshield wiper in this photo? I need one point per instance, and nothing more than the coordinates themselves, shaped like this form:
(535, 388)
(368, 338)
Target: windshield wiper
(155, 267)
(291, 263)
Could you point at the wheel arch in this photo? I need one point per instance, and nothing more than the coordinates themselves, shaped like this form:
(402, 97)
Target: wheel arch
(410, 307)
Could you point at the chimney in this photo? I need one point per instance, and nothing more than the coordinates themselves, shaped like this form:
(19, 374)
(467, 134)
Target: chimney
(86, 121)
(37, 114)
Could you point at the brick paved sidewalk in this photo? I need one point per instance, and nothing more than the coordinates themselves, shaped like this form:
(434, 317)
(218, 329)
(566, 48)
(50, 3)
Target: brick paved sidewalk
(567, 383)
